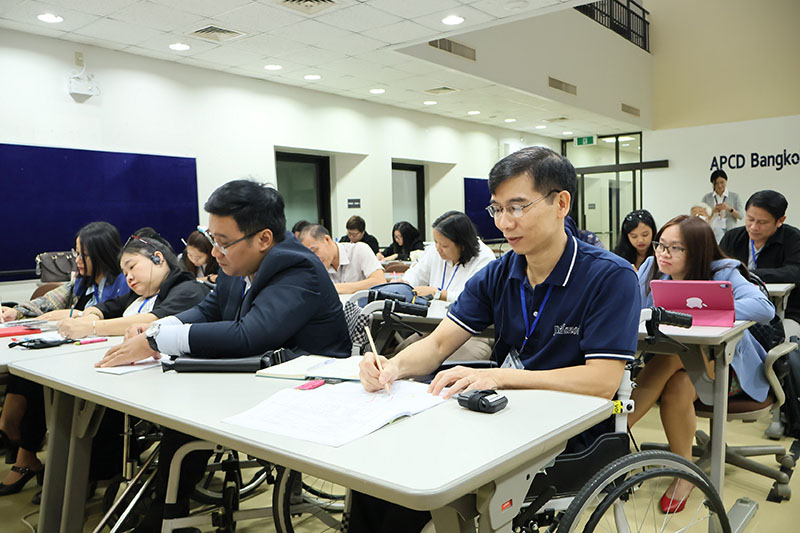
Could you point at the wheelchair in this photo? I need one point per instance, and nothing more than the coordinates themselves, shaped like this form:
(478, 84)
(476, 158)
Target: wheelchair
(602, 488)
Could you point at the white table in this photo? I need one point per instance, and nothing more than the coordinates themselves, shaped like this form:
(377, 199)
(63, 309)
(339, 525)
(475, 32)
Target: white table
(493, 456)
(719, 344)
(18, 353)
(779, 294)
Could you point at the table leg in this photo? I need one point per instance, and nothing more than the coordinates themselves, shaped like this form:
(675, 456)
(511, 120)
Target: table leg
(722, 358)
(86, 418)
(58, 413)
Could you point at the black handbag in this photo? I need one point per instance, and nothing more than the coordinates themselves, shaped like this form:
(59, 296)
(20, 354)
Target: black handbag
(55, 266)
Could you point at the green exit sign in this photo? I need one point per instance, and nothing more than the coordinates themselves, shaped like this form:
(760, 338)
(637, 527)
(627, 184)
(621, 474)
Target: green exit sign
(586, 141)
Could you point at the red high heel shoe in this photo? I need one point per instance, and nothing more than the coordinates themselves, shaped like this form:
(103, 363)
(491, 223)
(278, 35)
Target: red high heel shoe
(669, 504)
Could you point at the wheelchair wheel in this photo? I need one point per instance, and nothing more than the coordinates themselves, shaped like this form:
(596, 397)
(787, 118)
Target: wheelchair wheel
(624, 496)
(307, 503)
(253, 472)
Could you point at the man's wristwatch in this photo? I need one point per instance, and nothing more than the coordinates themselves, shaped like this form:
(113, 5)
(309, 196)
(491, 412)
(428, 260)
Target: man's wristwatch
(150, 333)
(437, 294)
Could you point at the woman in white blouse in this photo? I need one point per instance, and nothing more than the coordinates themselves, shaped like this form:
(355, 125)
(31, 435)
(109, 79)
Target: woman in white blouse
(457, 255)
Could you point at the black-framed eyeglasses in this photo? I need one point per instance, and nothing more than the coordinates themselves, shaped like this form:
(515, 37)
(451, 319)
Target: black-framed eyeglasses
(671, 249)
(224, 248)
(516, 210)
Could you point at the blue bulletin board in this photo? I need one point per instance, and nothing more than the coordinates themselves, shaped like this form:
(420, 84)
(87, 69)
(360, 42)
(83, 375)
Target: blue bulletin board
(476, 198)
(48, 194)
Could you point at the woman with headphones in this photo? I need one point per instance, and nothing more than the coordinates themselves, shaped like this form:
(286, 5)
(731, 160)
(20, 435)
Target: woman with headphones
(159, 288)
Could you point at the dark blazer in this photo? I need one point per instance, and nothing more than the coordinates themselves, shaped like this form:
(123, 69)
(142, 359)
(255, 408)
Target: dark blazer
(778, 262)
(367, 239)
(292, 303)
(179, 292)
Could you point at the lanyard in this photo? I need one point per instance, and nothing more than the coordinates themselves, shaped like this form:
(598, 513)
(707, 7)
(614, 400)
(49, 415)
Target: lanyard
(145, 302)
(442, 287)
(755, 255)
(529, 331)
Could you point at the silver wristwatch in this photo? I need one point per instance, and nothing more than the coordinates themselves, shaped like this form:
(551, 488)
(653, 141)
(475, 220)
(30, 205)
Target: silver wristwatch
(150, 333)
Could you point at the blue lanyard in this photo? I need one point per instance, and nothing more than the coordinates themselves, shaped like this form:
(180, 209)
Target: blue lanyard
(529, 331)
(145, 302)
(442, 287)
(755, 256)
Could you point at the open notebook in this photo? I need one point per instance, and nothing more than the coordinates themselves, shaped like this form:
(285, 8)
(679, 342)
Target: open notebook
(315, 366)
(335, 414)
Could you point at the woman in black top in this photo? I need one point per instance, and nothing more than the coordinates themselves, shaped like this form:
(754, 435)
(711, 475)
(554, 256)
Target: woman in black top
(406, 239)
(636, 237)
(159, 288)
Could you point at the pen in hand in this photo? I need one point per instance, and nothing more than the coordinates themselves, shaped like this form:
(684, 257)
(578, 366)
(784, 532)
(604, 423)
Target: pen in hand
(377, 355)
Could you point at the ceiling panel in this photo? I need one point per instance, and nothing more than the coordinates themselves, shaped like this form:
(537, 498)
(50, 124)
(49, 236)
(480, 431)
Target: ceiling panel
(156, 16)
(206, 8)
(358, 18)
(26, 13)
(117, 31)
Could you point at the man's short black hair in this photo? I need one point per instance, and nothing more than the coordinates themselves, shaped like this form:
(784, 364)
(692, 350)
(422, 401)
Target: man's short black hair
(317, 232)
(299, 225)
(457, 227)
(718, 174)
(357, 223)
(254, 206)
(547, 170)
(771, 201)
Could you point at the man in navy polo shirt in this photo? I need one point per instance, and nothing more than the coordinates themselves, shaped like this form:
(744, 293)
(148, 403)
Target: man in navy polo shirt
(566, 313)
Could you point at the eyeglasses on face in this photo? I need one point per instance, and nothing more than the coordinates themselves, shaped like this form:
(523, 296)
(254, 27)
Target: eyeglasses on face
(517, 210)
(223, 248)
(671, 249)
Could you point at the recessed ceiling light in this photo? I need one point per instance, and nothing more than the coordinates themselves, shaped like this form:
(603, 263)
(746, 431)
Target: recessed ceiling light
(566, 133)
(179, 47)
(430, 102)
(50, 18)
(272, 67)
(452, 20)
(473, 112)
(312, 77)
(626, 138)
(510, 120)
(610, 140)
(541, 127)
(377, 91)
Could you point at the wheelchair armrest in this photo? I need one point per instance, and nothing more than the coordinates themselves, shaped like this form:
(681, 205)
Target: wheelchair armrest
(774, 355)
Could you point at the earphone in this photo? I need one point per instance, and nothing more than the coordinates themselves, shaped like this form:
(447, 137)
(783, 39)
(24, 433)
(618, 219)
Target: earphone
(155, 259)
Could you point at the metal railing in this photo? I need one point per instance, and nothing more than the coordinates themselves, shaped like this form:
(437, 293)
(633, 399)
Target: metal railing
(625, 17)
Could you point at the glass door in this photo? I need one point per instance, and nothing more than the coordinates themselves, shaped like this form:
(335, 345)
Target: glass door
(305, 183)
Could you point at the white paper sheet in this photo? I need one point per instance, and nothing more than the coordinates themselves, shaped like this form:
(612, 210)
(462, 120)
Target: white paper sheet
(144, 364)
(335, 414)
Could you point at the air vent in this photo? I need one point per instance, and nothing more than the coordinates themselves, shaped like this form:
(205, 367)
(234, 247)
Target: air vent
(562, 86)
(309, 7)
(631, 110)
(455, 48)
(216, 34)
(441, 90)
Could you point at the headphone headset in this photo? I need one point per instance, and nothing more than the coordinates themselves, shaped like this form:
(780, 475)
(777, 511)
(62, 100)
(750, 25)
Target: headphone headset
(153, 257)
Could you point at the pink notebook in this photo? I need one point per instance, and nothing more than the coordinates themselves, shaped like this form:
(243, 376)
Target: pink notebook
(709, 302)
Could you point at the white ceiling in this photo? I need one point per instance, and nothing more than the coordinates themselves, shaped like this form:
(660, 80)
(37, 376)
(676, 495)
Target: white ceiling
(351, 44)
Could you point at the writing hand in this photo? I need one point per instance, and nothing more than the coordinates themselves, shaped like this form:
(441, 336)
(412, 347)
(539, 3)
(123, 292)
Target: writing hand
(130, 351)
(8, 313)
(373, 379)
(75, 328)
(424, 290)
(461, 378)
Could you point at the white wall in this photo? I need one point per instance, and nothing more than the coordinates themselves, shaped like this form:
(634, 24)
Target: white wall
(232, 125)
(669, 192)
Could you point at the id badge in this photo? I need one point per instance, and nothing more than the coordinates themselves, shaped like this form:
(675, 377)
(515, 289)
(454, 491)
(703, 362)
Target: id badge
(512, 360)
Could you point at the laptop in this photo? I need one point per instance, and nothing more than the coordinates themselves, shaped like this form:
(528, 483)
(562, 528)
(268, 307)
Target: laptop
(709, 302)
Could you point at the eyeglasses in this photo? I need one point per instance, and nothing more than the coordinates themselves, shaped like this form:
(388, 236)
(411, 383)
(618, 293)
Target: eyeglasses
(671, 249)
(224, 248)
(516, 210)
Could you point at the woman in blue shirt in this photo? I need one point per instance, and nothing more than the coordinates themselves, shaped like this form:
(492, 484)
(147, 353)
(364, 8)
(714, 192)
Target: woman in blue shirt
(686, 249)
